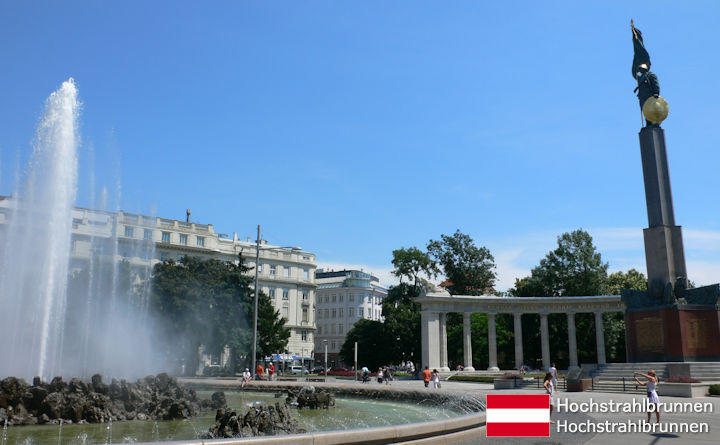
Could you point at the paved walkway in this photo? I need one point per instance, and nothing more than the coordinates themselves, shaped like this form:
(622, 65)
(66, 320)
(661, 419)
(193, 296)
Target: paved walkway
(712, 419)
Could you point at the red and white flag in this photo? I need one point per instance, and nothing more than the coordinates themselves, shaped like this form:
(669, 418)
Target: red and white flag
(518, 415)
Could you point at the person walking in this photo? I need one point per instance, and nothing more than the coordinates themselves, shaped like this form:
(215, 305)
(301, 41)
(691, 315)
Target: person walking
(380, 375)
(436, 379)
(427, 375)
(259, 371)
(651, 386)
(553, 371)
(271, 371)
(550, 388)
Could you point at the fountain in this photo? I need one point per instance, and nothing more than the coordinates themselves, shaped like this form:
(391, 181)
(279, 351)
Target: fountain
(64, 318)
(62, 315)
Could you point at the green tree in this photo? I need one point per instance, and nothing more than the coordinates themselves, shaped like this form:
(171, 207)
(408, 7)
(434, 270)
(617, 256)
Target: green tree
(373, 345)
(470, 269)
(410, 262)
(632, 279)
(210, 303)
(573, 269)
(402, 324)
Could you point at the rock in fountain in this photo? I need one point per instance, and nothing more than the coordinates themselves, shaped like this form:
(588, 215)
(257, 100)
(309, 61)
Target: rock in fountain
(151, 398)
(310, 397)
(258, 420)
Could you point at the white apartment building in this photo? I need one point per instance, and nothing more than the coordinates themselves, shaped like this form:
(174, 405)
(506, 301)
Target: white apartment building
(286, 276)
(342, 298)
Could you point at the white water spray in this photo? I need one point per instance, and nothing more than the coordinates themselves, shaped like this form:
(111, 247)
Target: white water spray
(35, 258)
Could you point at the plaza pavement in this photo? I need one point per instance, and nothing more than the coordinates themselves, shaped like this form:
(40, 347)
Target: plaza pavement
(481, 389)
(477, 436)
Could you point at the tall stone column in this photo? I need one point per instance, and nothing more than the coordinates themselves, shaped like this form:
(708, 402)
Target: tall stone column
(492, 343)
(664, 252)
(443, 343)
(545, 341)
(467, 342)
(600, 338)
(518, 340)
(430, 337)
(572, 341)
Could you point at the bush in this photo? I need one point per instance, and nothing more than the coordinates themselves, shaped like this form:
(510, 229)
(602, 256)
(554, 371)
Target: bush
(472, 378)
(714, 389)
(682, 379)
(511, 376)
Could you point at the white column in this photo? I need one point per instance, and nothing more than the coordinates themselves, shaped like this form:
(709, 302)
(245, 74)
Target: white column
(572, 341)
(443, 343)
(518, 340)
(430, 337)
(545, 341)
(600, 338)
(467, 342)
(492, 343)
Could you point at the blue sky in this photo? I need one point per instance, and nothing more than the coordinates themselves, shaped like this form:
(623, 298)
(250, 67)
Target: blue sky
(356, 128)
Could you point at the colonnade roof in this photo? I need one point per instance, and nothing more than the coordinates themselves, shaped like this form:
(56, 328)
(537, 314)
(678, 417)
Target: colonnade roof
(437, 302)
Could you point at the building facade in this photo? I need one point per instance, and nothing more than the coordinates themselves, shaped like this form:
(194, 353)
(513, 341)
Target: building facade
(286, 275)
(342, 298)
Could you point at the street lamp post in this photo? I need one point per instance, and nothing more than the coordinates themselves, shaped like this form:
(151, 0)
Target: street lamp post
(257, 290)
(325, 342)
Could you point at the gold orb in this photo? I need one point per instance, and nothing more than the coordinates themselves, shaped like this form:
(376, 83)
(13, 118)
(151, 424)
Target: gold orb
(655, 109)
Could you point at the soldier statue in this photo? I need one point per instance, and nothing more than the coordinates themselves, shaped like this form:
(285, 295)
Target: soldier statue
(647, 83)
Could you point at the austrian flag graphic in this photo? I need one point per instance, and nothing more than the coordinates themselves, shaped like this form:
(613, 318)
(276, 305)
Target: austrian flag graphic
(516, 415)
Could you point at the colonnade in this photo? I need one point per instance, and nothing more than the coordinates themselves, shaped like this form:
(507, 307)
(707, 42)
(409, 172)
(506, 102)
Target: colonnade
(434, 324)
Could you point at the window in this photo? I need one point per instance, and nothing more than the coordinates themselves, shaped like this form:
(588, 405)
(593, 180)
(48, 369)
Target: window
(334, 313)
(285, 313)
(273, 269)
(305, 314)
(286, 293)
(305, 294)
(306, 274)
(166, 237)
(183, 239)
(303, 335)
(319, 331)
(286, 269)
(271, 292)
(340, 298)
(340, 328)
(325, 299)
(201, 241)
(332, 346)
(369, 313)
(319, 314)
(332, 327)
(351, 312)
(340, 312)
(327, 313)
(147, 234)
(351, 297)
(334, 298)
(128, 231)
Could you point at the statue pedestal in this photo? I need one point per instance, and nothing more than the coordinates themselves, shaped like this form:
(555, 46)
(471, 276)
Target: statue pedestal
(686, 329)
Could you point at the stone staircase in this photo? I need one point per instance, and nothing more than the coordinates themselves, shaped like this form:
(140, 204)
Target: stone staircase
(704, 371)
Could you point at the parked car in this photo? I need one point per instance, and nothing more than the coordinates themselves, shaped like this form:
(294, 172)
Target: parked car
(341, 372)
(318, 370)
(298, 370)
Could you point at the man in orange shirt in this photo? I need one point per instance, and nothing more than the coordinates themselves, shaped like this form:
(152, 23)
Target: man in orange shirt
(259, 371)
(426, 376)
